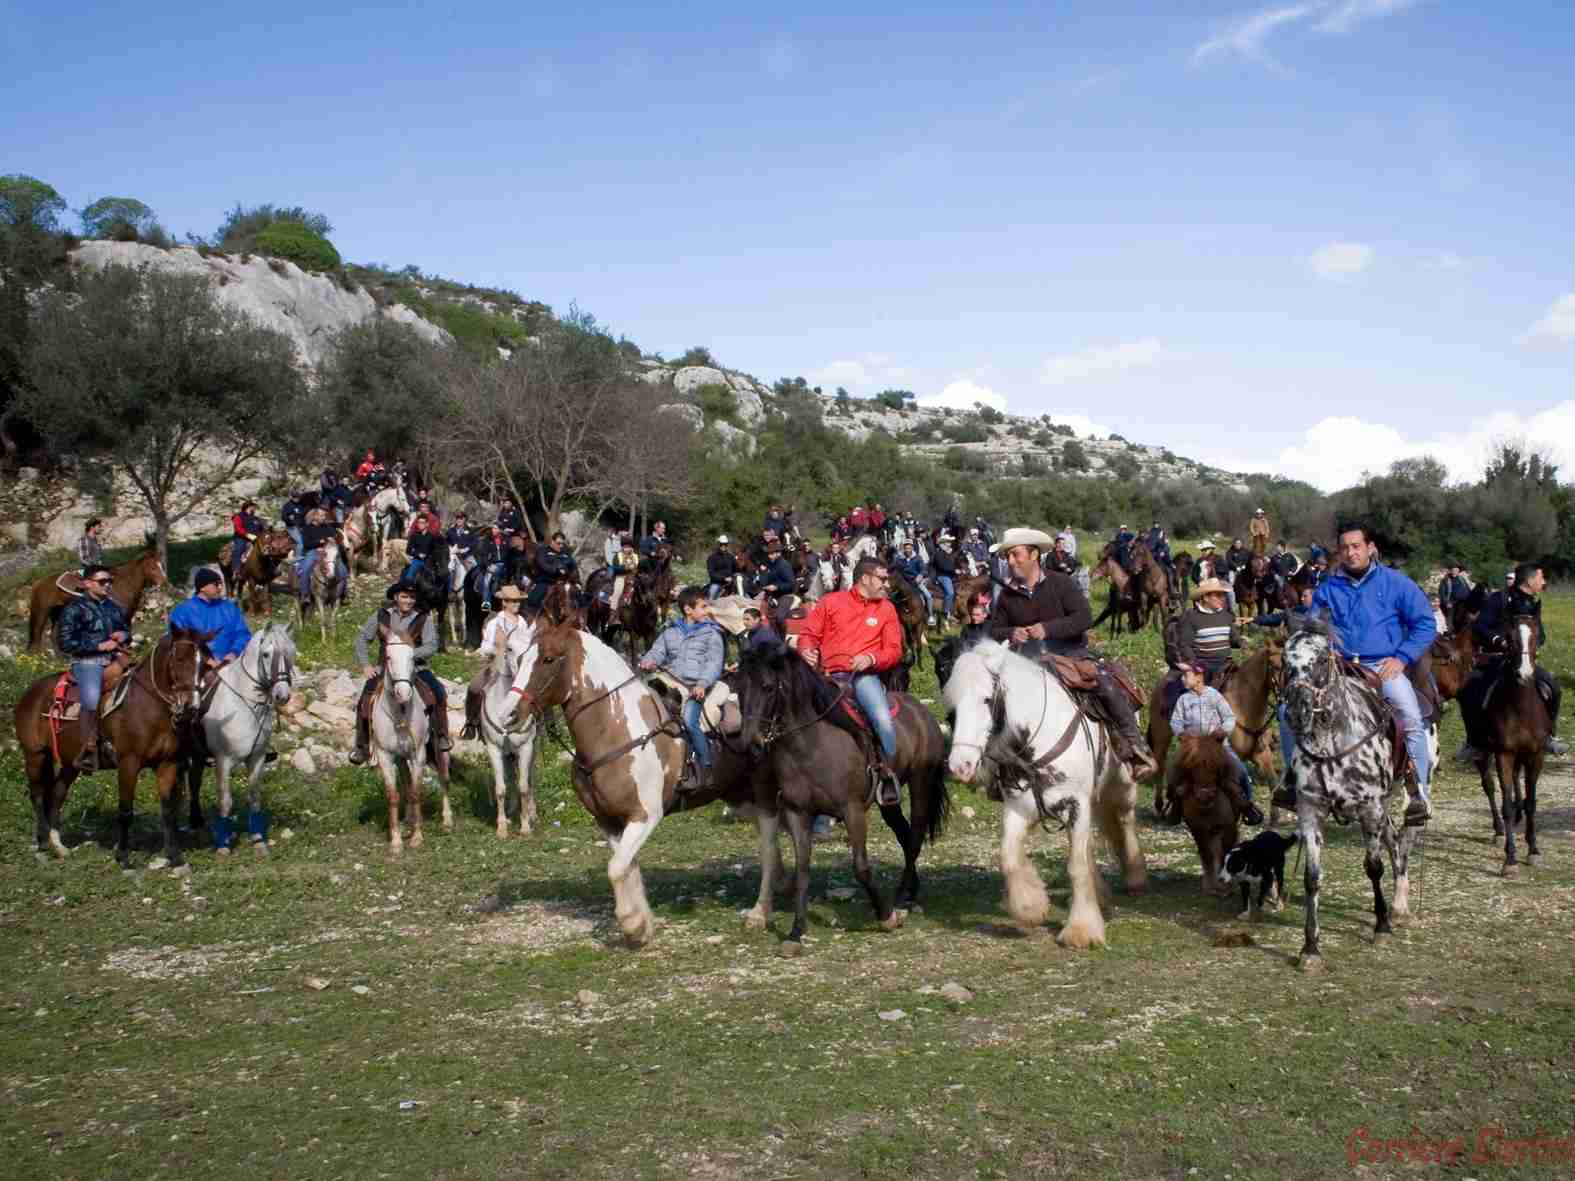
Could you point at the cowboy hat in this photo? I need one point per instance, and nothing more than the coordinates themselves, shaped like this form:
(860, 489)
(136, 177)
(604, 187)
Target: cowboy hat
(722, 540)
(403, 587)
(1210, 586)
(1258, 513)
(1205, 544)
(510, 592)
(1020, 536)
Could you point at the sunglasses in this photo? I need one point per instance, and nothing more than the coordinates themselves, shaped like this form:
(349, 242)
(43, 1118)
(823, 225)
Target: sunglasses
(102, 581)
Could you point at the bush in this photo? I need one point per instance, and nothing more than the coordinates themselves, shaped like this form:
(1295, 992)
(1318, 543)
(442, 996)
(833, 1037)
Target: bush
(718, 403)
(989, 414)
(895, 399)
(960, 459)
(241, 226)
(699, 355)
(1126, 467)
(1073, 457)
(967, 431)
(299, 244)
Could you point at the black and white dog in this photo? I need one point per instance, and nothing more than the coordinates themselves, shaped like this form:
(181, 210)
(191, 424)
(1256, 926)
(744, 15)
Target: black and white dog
(1260, 860)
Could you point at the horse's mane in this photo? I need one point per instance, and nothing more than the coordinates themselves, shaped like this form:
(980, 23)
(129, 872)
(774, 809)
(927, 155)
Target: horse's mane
(1319, 625)
(807, 691)
(1202, 758)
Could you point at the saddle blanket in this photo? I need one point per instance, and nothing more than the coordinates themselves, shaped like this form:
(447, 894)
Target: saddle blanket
(65, 703)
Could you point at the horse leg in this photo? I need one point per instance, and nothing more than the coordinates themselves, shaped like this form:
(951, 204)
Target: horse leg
(256, 820)
(525, 772)
(1116, 813)
(193, 768)
(1400, 864)
(1505, 766)
(390, 770)
(1159, 742)
(168, 778)
(126, 773)
(799, 827)
(500, 787)
(40, 767)
(767, 824)
(440, 765)
(910, 837)
(623, 870)
(1026, 900)
(1311, 959)
(857, 819)
(1085, 926)
(1490, 789)
(56, 797)
(415, 792)
(1528, 807)
(223, 825)
(1373, 863)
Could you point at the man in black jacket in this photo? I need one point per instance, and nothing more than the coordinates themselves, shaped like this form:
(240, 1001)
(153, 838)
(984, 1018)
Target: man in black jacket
(720, 569)
(775, 578)
(554, 564)
(1522, 598)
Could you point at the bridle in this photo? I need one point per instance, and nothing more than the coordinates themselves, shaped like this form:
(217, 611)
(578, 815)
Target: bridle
(171, 699)
(774, 730)
(1322, 699)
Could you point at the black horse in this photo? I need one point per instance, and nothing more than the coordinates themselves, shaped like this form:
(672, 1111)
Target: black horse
(431, 583)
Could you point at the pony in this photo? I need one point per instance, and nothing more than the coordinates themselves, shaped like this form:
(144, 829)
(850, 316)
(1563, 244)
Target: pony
(1047, 760)
(257, 570)
(144, 719)
(50, 595)
(1205, 798)
(792, 718)
(1507, 722)
(510, 740)
(1342, 763)
(1248, 688)
(399, 738)
(236, 728)
(323, 593)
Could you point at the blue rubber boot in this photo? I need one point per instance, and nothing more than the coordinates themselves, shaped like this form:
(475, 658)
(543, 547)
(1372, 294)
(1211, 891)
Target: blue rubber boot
(257, 825)
(223, 829)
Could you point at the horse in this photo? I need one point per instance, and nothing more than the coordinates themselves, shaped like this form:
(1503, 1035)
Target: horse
(323, 593)
(399, 736)
(1245, 586)
(258, 568)
(1205, 798)
(461, 584)
(967, 588)
(431, 581)
(1507, 722)
(236, 728)
(1248, 688)
(144, 719)
(791, 716)
(1125, 597)
(357, 530)
(1453, 660)
(510, 740)
(629, 755)
(664, 586)
(1184, 562)
(1343, 762)
(381, 509)
(1048, 760)
(50, 595)
(909, 605)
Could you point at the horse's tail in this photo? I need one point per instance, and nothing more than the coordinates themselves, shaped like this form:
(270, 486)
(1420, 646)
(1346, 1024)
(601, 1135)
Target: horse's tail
(940, 802)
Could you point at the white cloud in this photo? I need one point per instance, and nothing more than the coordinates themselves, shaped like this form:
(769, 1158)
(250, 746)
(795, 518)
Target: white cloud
(1559, 323)
(1245, 38)
(865, 375)
(1104, 361)
(1350, 13)
(1336, 260)
(1082, 424)
(962, 394)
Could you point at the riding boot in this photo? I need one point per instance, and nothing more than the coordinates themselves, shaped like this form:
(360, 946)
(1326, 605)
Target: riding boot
(363, 728)
(1418, 809)
(440, 735)
(1245, 808)
(1131, 747)
(888, 792)
(87, 729)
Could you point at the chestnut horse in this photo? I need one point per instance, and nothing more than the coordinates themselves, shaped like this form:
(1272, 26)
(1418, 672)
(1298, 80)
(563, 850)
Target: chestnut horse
(131, 583)
(145, 728)
(1125, 596)
(1205, 797)
(258, 569)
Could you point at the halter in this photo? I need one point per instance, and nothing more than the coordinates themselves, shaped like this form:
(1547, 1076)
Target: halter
(774, 731)
(170, 699)
(1324, 698)
(532, 701)
(401, 715)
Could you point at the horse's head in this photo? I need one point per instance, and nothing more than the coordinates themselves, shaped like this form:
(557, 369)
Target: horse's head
(1311, 671)
(1520, 641)
(178, 662)
(971, 692)
(399, 662)
(509, 656)
(548, 669)
(277, 544)
(763, 687)
(276, 660)
(153, 569)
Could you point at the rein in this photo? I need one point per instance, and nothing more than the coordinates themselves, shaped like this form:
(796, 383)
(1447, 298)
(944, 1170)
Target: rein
(1323, 705)
(170, 701)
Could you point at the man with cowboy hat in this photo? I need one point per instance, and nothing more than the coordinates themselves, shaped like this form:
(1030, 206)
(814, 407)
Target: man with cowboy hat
(401, 615)
(721, 567)
(1258, 530)
(500, 627)
(1207, 630)
(1039, 611)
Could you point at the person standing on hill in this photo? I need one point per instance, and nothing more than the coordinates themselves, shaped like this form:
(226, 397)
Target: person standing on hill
(89, 552)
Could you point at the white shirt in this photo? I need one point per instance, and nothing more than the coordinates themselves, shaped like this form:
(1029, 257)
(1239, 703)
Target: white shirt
(499, 627)
(1070, 539)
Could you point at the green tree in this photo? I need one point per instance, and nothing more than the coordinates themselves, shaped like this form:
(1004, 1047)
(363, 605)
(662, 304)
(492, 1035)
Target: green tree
(239, 230)
(32, 254)
(148, 372)
(27, 202)
(1073, 457)
(718, 403)
(896, 399)
(699, 355)
(299, 244)
(379, 386)
(124, 219)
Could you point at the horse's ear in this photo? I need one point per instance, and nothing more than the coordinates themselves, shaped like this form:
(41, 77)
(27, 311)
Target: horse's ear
(382, 630)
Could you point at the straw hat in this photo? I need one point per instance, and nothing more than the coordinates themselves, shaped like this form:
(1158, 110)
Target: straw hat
(1210, 586)
(511, 592)
(1015, 537)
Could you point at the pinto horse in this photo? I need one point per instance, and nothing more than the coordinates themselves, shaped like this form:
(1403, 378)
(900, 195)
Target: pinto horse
(50, 595)
(793, 718)
(146, 728)
(1507, 721)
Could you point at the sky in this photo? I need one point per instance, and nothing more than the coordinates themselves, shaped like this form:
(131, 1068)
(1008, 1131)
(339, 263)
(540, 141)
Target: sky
(1310, 238)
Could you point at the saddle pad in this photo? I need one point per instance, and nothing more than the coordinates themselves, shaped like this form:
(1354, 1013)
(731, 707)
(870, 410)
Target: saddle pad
(851, 708)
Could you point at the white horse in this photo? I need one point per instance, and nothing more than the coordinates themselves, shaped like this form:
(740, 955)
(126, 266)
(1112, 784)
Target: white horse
(458, 571)
(1048, 760)
(867, 546)
(238, 725)
(509, 738)
(377, 518)
(399, 736)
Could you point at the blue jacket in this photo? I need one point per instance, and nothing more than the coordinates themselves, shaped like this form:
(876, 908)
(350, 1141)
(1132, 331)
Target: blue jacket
(1382, 614)
(222, 616)
(85, 624)
(692, 652)
(913, 568)
(775, 578)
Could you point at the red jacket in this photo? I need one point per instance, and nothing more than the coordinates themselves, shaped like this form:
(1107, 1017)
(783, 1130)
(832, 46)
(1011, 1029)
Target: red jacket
(858, 518)
(877, 518)
(845, 624)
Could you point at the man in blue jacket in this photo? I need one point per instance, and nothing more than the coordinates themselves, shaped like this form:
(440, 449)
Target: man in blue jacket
(1382, 619)
(690, 650)
(92, 630)
(208, 611)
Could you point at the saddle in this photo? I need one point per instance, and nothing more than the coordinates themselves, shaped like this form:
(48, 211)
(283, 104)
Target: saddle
(1400, 758)
(65, 702)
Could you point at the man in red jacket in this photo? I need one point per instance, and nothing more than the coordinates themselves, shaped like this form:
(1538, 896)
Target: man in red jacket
(855, 634)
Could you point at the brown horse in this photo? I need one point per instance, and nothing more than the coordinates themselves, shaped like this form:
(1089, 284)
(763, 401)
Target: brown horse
(1507, 720)
(258, 569)
(967, 588)
(1153, 588)
(146, 731)
(1245, 584)
(1249, 688)
(1205, 801)
(1453, 660)
(795, 720)
(1184, 564)
(50, 595)
(909, 605)
(1125, 595)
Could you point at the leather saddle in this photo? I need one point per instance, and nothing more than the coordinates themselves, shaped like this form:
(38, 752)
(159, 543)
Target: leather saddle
(1400, 758)
(65, 701)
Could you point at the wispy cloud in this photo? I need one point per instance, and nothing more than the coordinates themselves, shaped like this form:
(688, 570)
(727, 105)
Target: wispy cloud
(1102, 361)
(1347, 14)
(1340, 260)
(1245, 39)
(1559, 322)
(866, 375)
(964, 394)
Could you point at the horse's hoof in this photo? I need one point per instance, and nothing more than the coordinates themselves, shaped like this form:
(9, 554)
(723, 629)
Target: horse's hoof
(1534, 859)
(791, 949)
(1311, 964)
(1137, 889)
(261, 848)
(183, 870)
(417, 841)
(755, 919)
(894, 920)
(1498, 830)
(222, 851)
(1381, 937)
(159, 863)
(1511, 869)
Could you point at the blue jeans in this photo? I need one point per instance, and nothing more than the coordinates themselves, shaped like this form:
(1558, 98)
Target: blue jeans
(948, 592)
(871, 696)
(304, 568)
(90, 683)
(426, 677)
(238, 549)
(713, 591)
(1243, 777)
(1400, 693)
(411, 568)
(697, 736)
(295, 535)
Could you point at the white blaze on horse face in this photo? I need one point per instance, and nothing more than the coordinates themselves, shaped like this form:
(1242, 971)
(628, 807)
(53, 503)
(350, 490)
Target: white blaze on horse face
(968, 692)
(526, 655)
(1527, 672)
(401, 663)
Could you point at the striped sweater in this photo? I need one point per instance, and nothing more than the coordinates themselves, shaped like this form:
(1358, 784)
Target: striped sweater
(1206, 637)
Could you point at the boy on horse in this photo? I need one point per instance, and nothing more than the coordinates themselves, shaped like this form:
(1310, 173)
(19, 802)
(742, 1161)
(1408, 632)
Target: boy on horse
(1202, 710)
(401, 616)
(1039, 611)
(855, 634)
(690, 651)
(245, 526)
(93, 631)
(1383, 620)
(500, 627)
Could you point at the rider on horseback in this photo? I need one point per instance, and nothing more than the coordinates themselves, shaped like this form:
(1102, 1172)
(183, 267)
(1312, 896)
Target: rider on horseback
(1521, 598)
(855, 634)
(402, 616)
(245, 525)
(1047, 612)
(500, 627)
(209, 612)
(690, 651)
(721, 567)
(317, 531)
(554, 564)
(419, 546)
(1202, 709)
(1207, 632)
(625, 562)
(92, 631)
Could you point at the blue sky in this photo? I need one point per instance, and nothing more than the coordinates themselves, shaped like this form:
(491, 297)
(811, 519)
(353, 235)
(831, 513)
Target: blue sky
(1311, 236)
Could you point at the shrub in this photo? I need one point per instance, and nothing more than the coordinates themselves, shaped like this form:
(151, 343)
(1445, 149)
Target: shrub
(960, 459)
(718, 403)
(699, 355)
(1126, 467)
(1073, 457)
(299, 244)
(241, 226)
(989, 414)
(895, 399)
(967, 431)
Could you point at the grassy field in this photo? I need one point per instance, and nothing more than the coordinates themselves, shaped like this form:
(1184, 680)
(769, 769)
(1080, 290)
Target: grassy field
(468, 1010)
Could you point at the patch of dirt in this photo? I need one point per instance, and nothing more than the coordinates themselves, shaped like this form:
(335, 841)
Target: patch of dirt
(537, 927)
(171, 963)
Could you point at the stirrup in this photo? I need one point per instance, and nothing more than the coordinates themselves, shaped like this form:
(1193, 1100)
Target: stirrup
(1418, 811)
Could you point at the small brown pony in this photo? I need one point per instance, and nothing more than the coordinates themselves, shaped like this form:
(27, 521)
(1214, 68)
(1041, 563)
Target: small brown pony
(147, 730)
(1206, 807)
(50, 595)
(1249, 689)
(258, 569)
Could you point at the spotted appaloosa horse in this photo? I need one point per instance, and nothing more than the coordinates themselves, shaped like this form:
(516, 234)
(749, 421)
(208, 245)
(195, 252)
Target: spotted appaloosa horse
(1343, 764)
